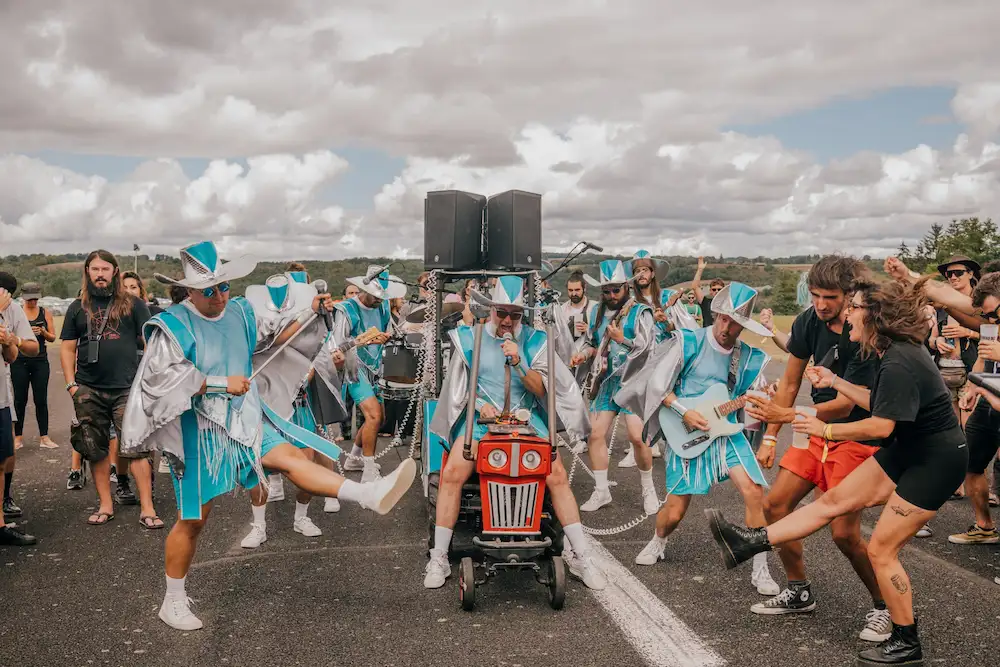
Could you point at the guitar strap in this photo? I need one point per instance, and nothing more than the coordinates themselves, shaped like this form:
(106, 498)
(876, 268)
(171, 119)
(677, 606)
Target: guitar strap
(734, 368)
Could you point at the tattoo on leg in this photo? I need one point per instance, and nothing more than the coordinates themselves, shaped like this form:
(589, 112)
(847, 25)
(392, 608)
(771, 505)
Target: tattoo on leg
(902, 511)
(899, 584)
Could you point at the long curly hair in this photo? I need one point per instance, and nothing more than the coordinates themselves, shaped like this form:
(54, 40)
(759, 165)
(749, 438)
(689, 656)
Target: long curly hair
(894, 313)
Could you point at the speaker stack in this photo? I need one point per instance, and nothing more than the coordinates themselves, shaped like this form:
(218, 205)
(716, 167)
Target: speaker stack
(464, 231)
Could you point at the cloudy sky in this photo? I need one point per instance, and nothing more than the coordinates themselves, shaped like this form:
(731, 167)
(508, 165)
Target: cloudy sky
(299, 129)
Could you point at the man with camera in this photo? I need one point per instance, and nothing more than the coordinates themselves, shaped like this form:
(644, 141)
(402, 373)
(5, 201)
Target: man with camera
(101, 339)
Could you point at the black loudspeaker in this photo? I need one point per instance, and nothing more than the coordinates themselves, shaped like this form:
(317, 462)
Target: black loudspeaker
(514, 231)
(453, 230)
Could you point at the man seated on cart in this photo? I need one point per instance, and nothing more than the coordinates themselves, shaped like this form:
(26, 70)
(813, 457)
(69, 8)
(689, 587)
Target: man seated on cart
(506, 338)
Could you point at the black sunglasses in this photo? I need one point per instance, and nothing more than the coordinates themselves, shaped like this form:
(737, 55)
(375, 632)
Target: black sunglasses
(955, 273)
(514, 315)
(611, 290)
(993, 316)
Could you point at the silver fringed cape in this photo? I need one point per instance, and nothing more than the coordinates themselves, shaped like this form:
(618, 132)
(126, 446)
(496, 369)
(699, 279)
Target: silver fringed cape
(570, 407)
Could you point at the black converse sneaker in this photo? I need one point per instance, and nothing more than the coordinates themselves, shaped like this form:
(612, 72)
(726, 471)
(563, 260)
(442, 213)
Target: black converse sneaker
(736, 543)
(788, 601)
(902, 648)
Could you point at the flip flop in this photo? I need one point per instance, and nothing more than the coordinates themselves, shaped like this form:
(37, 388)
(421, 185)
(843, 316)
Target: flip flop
(151, 522)
(102, 518)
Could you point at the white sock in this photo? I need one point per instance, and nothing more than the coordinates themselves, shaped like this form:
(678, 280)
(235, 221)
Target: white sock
(662, 541)
(442, 538)
(601, 480)
(760, 561)
(352, 492)
(357, 451)
(258, 514)
(646, 478)
(301, 509)
(369, 461)
(175, 587)
(577, 540)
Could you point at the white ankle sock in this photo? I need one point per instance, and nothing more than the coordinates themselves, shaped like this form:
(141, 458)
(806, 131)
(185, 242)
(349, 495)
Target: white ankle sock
(662, 541)
(760, 561)
(175, 586)
(577, 540)
(442, 538)
(301, 509)
(259, 514)
(357, 451)
(369, 461)
(601, 479)
(646, 478)
(352, 492)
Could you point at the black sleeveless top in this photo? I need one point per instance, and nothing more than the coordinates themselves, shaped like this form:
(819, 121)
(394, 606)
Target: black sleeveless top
(39, 322)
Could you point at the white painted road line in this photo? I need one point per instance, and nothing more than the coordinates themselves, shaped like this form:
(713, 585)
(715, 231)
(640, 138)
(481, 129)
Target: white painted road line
(656, 633)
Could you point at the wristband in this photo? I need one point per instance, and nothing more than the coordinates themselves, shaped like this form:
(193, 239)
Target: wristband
(216, 384)
(678, 408)
(70, 385)
(770, 441)
(828, 433)
(522, 369)
(304, 316)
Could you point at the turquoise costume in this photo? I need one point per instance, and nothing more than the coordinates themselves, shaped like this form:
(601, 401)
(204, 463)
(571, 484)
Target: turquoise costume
(617, 353)
(357, 318)
(703, 366)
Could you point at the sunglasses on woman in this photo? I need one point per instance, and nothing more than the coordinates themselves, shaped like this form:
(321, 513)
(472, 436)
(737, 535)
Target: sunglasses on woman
(209, 292)
(955, 273)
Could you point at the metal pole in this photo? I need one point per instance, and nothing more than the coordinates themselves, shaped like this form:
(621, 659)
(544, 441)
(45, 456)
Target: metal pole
(470, 410)
(438, 328)
(550, 391)
(284, 345)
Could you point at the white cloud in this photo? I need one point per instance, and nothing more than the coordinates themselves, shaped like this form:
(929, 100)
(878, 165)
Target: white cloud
(613, 111)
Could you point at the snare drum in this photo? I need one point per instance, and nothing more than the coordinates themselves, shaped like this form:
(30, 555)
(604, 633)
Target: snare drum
(399, 360)
(397, 398)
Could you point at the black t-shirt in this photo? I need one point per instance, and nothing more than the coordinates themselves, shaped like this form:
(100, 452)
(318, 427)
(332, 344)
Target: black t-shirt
(908, 389)
(707, 316)
(812, 338)
(118, 350)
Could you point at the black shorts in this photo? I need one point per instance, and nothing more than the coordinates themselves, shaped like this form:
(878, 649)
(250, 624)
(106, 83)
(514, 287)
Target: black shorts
(98, 411)
(925, 476)
(6, 434)
(983, 433)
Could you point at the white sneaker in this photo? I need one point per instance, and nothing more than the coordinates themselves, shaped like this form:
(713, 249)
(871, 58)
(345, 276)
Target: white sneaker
(176, 612)
(164, 466)
(650, 503)
(438, 569)
(586, 570)
(370, 473)
(275, 489)
(653, 552)
(925, 531)
(256, 537)
(629, 460)
(331, 505)
(764, 582)
(878, 626)
(598, 499)
(657, 451)
(354, 464)
(306, 527)
(581, 447)
(384, 493)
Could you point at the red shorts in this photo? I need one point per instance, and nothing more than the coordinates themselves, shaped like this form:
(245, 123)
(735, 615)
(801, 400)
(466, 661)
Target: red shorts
(826, 464)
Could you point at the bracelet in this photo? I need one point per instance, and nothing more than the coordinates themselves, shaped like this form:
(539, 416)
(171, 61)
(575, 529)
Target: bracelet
(828, 433)
(71, 385)
(215, 384)
(770, 441)
(678, 408)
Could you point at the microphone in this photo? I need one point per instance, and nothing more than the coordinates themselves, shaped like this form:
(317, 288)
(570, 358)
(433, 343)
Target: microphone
(591, 246)
(321, 288)
(373, 273)
(507, 337)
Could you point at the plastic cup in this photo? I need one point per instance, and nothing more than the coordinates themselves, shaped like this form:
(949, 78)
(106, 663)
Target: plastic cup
(801, 440)
(989, 331)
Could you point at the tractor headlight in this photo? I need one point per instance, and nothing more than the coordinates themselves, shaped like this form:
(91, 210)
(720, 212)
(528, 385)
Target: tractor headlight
(497, 458)
(530, 460)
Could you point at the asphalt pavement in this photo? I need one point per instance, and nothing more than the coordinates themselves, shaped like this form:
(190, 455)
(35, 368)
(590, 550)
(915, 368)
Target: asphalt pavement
(354, 596)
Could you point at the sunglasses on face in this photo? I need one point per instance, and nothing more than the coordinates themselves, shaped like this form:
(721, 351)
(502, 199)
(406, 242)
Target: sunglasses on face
(715, 290)
(209, 292)
(512, 314)
(612, 290)
(955, 273)
(992, 317)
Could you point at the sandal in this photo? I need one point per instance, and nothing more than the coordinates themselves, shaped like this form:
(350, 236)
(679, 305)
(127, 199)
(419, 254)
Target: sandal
(151, 522)
(101, 518)
(994, 500)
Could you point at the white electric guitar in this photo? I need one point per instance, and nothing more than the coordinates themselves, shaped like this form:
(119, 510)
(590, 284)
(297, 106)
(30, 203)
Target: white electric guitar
(715, 406)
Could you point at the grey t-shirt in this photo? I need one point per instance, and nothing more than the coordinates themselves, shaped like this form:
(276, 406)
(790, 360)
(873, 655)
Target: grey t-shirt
(14, 319)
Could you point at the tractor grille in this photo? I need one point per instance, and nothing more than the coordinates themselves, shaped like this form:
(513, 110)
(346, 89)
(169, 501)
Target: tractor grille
(512, 505)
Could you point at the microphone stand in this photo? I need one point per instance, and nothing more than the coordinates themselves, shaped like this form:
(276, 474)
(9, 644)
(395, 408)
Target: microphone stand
(569, 258)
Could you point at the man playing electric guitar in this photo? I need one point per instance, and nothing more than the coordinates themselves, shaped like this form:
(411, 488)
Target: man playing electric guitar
(621, 330)
(662, 393)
